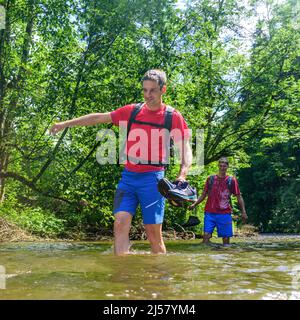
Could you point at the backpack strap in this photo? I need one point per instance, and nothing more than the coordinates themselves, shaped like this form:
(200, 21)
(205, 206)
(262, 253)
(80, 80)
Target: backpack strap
(168, 118)
(169, 143)
(136, 109)
(168, 115)
(229, 183)
(210, 183)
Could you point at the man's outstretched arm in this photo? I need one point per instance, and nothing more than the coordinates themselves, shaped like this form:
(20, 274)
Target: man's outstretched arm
(87, 120)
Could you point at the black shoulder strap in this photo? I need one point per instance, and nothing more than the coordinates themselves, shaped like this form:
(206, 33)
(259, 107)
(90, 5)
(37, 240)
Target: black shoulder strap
(210, 183)
(168, 117)
(229, 183)
(167, 125)
(136, 109)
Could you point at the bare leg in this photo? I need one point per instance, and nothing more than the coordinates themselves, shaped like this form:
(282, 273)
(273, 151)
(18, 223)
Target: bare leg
(154, 235)
(206, 237)
(226, 241)
(121, 230)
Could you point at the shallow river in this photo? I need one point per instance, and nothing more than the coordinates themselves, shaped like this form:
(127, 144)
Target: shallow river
(264, 267)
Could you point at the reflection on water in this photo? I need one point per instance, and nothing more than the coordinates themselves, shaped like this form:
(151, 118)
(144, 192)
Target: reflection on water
(265, 267)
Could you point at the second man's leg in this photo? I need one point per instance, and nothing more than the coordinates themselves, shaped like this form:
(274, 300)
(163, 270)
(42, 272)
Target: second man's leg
(209, 226)
(224, 227)
(226, 240)
(206, 237)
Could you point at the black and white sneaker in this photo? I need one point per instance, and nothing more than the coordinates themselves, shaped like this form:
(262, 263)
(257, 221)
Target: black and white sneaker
(177, 193)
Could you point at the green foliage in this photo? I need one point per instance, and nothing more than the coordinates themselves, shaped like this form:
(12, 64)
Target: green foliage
(271, 187)
(286, 215)
(34, 220)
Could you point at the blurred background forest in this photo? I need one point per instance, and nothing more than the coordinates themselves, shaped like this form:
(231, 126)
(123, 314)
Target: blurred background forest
(233, 69)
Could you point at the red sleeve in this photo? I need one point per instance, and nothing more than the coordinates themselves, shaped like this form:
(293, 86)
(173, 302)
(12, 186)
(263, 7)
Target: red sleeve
(235, 187)
(180, 130)
(121, 114)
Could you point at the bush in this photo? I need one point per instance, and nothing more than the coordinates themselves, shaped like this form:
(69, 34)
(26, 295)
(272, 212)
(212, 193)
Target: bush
(35, 220)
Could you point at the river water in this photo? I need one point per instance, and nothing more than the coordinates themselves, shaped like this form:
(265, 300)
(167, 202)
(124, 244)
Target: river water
(263, 267)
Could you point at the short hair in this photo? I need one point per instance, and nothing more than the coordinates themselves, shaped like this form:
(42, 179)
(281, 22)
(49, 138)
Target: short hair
(224, 159)
(156, 75)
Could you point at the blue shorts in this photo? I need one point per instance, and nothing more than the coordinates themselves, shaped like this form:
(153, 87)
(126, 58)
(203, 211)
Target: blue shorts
(223, 222)
(140, 188)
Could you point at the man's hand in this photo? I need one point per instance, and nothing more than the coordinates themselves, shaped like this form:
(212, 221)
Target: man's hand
(244, 217)
(180, 180)
(193, 206)
(57, 127)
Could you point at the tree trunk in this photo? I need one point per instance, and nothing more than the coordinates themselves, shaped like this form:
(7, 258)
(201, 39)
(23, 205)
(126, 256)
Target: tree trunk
(3, 168)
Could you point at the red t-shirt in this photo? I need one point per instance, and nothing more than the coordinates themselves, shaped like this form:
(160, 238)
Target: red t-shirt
(147, 142)
(219, 196)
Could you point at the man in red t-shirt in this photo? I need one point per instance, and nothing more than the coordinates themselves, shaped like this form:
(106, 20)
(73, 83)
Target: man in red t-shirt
(146, 153)
(218, 209)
